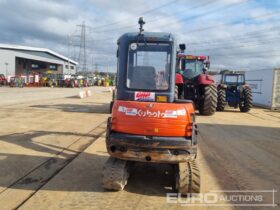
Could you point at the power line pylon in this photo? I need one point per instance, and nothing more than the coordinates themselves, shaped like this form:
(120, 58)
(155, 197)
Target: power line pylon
(82, 52)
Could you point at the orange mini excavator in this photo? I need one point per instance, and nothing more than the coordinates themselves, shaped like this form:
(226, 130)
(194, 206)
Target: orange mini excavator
(149, 123)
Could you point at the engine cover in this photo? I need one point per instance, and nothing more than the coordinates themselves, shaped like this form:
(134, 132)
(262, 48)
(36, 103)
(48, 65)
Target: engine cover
(152, 119)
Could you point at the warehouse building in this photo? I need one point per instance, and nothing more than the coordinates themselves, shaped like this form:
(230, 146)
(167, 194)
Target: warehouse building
(22, 60)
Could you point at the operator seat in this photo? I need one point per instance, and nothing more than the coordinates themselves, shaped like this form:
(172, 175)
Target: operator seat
(143, 77)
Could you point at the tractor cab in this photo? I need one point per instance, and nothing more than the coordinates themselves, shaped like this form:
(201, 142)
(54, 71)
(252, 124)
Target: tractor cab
(146, 71)
(233, 79)
(192, 66)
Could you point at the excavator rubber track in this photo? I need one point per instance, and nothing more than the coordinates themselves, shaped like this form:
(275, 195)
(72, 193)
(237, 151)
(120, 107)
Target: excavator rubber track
(115, 174)
(188, 178)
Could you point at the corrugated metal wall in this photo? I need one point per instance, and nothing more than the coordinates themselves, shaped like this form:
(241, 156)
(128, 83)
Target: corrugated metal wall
(261, 82)
(276, 89)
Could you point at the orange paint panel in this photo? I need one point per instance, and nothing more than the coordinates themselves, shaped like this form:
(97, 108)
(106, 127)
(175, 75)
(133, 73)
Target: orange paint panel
(152, 119)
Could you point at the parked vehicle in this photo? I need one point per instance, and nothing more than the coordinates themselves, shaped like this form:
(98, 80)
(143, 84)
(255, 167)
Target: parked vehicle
(233, 91)
(17, 81)
(74, 81)
(3, 80)
(91, 81)
(199, 86)
(49, 79)
(149, 123)
(60, 80)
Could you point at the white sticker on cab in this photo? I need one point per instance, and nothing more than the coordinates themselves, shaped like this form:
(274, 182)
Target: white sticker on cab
(144, 96)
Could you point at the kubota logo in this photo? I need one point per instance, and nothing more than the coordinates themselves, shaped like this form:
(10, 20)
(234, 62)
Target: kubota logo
(155, 114)
(147, 113)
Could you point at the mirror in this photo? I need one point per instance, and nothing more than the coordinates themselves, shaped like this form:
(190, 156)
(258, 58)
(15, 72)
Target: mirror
(207, 64)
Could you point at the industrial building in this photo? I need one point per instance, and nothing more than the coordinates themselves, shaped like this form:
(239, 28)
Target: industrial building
(22, 60)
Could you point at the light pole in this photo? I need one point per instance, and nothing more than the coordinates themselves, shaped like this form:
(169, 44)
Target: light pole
(6, 69)
(69, 42)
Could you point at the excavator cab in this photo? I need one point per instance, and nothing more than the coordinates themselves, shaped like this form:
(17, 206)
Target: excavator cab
(146, 71)
(148, 122)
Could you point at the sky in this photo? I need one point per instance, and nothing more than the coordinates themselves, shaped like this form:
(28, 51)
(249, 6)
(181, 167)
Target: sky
(236, 34)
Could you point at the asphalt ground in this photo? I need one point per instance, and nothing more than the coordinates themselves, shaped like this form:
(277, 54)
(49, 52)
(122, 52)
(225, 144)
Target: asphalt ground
(52, 152)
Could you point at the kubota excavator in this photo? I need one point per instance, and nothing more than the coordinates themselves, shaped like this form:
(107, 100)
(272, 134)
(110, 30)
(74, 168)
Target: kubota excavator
(149, 123)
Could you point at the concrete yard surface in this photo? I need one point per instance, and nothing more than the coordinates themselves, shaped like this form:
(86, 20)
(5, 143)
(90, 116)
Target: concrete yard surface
(52, 151)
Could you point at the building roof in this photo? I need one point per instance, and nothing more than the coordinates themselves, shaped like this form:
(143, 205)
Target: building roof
(36, 50)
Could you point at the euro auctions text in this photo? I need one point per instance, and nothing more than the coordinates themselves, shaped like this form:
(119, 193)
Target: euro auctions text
(225, 198)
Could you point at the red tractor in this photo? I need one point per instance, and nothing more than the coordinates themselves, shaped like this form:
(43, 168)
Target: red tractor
(3, 80)
(198, 86)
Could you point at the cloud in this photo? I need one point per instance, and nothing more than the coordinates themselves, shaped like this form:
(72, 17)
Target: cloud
(239, 34)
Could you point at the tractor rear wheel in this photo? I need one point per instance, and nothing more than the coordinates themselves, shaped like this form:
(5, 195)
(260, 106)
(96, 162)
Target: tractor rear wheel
(247, 102)
(115, 174)
(209, 103)
(188, 178)
(221, 100)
